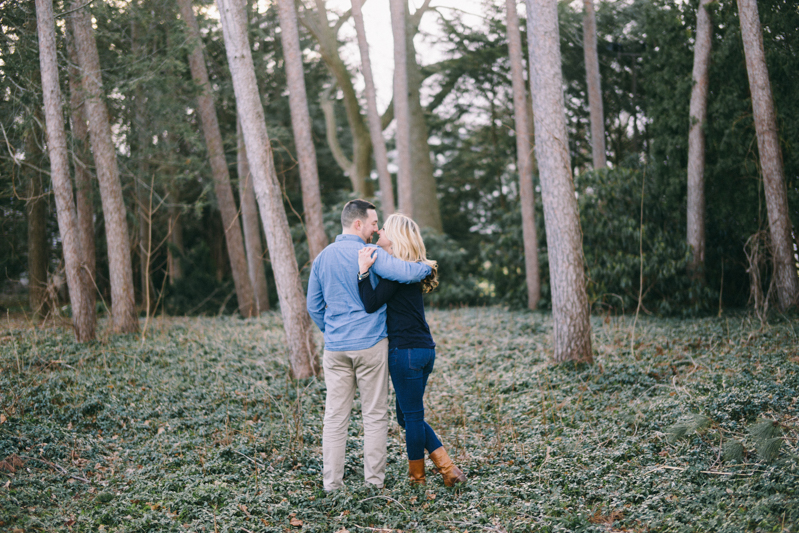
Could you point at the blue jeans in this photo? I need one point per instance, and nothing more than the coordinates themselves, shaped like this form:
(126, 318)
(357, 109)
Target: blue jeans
(409, 369)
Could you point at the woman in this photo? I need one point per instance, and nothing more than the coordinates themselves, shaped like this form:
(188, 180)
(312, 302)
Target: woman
(411, 350)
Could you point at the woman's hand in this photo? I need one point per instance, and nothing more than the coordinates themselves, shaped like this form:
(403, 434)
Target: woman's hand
(366, 258)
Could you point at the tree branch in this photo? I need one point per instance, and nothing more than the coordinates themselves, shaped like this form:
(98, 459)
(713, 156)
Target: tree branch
(329, 110)
(416, 18)
(388, 116)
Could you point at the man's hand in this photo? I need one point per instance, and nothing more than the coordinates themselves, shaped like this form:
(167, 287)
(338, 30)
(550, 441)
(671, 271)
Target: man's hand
(366, 258)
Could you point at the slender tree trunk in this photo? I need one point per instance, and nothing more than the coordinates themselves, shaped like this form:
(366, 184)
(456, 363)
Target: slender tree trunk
(524, 157)
(570, 311)
(252, 231)
(375, 126)
(594, 85)
(123, 305)
(426, 209)
(770, 155)
(82, 315)
(84, 188)
(401, 111)
(301, 125)
(175, 247)
(219, 169)
(696, 143)
(36, 214)
(297, 323)
(143, 184)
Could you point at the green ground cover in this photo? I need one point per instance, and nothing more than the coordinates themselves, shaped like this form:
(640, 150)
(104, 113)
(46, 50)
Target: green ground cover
(198, 429)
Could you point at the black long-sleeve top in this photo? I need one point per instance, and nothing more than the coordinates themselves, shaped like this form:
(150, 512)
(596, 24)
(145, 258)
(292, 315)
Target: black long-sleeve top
(407, 327)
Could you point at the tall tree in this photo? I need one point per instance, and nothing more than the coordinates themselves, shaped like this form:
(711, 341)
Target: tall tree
(427, 211)
(696, 143)
(252, 230)
(570, 311)
(297, 323)
(301, 125)
(594, 85)
(524, 159)
(84, 186)
(36, 215)
(425, 198)
(401, 111)
(771, 164)
(143, 182)
(123, 305)
(375, 126)
(82, 316)
(219, 169)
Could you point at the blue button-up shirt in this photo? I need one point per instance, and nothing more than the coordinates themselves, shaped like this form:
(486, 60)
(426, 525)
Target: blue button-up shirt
(334, 302)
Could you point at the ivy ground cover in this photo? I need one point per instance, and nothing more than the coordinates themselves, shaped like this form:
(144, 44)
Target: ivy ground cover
(681, 425)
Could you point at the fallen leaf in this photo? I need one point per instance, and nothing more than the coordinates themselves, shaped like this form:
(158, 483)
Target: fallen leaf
(3, 419)
(296, 522)
(161, 430)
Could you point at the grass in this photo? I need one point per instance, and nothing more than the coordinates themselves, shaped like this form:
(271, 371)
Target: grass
(198, 429)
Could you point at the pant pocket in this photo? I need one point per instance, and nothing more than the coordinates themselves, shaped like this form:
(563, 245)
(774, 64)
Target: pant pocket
(418, 358)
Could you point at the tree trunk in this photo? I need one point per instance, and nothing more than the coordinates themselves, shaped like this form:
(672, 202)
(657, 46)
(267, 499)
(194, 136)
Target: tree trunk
(219, 169)
(297, 323)
(375, 126)
(301, 126)
(524, 157)
(594, 85)
(123, 305)
(175, 247)
(252, 231)
(401, 111)
(696, 143)
(427, 212)
(768, 146)
(36, 213)
(570, 312)
(143, 184)
(82, 314)
(84, 188)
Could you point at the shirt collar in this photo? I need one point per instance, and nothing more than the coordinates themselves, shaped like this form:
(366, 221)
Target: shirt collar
(348, 237)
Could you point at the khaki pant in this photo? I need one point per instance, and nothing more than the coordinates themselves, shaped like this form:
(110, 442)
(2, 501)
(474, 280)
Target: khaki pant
(344, 371)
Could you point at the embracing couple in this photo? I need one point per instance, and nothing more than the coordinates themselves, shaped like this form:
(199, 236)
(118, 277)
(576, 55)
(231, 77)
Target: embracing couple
(367, 300)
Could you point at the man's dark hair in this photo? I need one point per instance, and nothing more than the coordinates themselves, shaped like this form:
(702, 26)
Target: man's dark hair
(355, 210)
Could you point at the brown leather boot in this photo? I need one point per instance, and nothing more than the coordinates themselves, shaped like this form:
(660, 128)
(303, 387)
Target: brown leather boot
(451, 473)
(416, 471)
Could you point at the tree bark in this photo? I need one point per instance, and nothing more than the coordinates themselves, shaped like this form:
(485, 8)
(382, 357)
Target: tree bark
(570, 311)
(425, 198)
(36, 214)
(82, 314)
(219, 169)
(401, 108)
(524, 158)
(375, 126)
(297, 323)
(768, 146)
(696, 143)
(252, 231)
(594, 85)
(301, 126)
(84, 188)
(123, 305)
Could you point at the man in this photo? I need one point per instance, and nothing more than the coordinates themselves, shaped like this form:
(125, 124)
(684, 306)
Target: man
(356, 342)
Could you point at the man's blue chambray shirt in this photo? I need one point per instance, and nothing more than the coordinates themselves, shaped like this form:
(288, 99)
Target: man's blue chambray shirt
(334, 302)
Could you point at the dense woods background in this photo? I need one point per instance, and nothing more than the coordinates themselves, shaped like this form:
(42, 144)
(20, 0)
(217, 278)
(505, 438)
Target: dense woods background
(645, 50)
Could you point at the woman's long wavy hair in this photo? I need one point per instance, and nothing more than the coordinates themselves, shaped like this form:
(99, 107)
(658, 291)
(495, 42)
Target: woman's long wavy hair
(407, 244)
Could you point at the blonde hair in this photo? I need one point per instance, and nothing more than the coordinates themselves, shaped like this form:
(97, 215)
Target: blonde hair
(407, 244)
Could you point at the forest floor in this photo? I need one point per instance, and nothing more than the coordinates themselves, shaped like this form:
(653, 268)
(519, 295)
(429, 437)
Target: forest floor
(197, 428)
